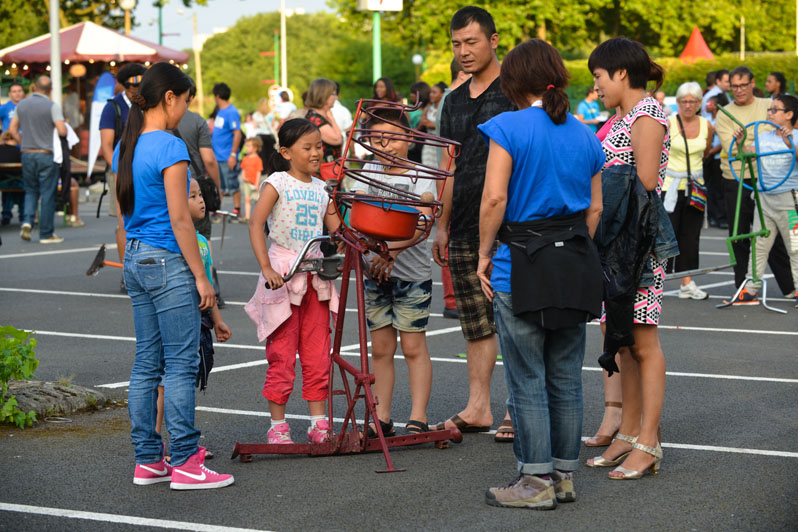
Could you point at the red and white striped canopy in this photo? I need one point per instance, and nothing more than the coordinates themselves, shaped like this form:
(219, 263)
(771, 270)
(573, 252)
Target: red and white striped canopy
(88, 41)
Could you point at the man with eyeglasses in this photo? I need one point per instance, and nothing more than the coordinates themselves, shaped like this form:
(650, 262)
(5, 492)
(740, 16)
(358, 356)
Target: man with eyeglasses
(112, 124)
(747, 108)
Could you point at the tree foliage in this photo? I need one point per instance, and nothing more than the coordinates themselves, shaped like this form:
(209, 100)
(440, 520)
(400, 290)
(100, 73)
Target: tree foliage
(21, 20)
(576, 26)
(318, 45)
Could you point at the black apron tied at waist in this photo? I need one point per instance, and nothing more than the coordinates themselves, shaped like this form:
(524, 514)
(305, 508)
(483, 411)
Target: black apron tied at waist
(555, 278)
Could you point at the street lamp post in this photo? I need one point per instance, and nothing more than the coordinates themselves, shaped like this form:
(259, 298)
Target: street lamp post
(127, 6)
(418, 59)
(283, 52)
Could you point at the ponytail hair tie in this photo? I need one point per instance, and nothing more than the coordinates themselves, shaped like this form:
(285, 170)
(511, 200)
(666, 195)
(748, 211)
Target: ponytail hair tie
(139, 100)
(549, 87)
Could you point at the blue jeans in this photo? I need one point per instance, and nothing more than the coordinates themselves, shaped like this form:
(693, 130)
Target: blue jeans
(167, 319)
(543, 369)
(228, 178)
(40, 179)
(9, 200)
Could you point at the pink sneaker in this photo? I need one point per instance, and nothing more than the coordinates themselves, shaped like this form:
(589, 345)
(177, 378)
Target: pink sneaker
(279, 434)
(153, 473)
(320, 432)
(193, 475)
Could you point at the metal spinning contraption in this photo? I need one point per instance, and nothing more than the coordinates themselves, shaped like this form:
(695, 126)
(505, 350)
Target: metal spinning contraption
(747, 159)
(368, 222)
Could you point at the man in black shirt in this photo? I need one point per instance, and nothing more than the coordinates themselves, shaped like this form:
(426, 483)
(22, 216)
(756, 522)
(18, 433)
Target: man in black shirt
(474, 41)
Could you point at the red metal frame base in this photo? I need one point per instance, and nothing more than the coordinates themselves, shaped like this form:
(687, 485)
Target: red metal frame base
(350, 438)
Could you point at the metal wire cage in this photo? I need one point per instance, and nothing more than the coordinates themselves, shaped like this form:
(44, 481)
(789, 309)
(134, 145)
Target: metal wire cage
(387, 210)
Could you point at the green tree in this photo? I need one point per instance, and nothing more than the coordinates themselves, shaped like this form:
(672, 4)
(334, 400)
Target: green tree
(21, 20)
(318, 45)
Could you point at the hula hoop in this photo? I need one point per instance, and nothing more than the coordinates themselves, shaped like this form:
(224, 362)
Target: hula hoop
(760, 155)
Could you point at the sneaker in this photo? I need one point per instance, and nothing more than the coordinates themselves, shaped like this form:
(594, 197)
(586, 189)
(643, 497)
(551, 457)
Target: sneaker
(563, 486)
(237, 214)
(153, 473)
(74, 221)
(24, 234)
(6, 221)
(791, 295)
(527, 491)
(193, 475)
(451, 313)
(279, 434)
(319, 432)
(691, 291)
(52, 239)
(744, 298)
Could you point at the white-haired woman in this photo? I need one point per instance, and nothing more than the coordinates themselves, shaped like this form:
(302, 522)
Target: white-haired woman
(691, 141)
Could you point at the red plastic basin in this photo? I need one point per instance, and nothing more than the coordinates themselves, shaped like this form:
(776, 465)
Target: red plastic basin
(383, 220)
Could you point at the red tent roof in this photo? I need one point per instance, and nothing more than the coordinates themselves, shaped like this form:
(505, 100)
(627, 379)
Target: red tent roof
(696, 48)
(86, 40)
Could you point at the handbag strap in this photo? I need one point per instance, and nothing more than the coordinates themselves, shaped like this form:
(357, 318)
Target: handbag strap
(686, 149)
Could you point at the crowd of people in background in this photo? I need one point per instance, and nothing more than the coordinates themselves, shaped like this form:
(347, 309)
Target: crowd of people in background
(636, 182)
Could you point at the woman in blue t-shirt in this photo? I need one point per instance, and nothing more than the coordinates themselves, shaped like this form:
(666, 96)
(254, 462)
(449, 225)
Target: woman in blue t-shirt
(165, 279)
(542, 200)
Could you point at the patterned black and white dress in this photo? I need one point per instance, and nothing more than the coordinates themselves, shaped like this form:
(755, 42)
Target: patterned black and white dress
(618, 150)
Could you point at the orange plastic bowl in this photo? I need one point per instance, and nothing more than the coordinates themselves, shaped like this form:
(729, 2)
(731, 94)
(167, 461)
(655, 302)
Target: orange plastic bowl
(383, 220)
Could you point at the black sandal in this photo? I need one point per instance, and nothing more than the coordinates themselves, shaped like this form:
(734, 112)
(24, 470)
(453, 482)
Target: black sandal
(416, 427)
(387, 430)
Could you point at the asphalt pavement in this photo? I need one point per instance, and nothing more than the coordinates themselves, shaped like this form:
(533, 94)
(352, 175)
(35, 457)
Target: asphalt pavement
(729, 426)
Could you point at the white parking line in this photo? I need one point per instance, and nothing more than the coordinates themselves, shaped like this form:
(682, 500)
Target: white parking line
(692, 447)
(55, 252)
(123, 519)
(108, 247)
(712, 285)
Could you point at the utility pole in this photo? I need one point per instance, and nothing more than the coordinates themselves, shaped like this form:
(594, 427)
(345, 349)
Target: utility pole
(55, 52)
(376, 47)
(200, 96)
(742, 38)
(283, 53)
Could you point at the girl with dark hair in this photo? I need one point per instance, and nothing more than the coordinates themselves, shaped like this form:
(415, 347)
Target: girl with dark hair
(776, 83)
(419, 94)
(543, 193)
(165, 279)
(384, 90)
(636, 149)
(431, 155)
(294, 316)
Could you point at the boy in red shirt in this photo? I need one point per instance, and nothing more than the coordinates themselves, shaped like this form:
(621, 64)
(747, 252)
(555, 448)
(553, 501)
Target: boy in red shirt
(251, 171)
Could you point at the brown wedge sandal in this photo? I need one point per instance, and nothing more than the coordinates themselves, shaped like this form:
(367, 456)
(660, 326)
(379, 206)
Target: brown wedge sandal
(602, 440)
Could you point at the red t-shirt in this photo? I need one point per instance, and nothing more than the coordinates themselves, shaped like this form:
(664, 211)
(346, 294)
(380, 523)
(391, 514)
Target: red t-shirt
(251, 165)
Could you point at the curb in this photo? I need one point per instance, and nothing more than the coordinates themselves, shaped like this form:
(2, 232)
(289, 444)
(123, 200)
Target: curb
(53, 399)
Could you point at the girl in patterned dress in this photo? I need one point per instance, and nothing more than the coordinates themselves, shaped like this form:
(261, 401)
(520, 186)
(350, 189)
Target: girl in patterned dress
(621, 70)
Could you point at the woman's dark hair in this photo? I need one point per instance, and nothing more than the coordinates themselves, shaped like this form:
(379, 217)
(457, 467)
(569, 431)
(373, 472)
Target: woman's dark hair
(214, 112)
(782, 82)
(620, 53)
(422, 89)
(442, 86)
(290, 132)
(159, 79)
(790, 103)
(469, 14)
(536, 68)
(390, 90)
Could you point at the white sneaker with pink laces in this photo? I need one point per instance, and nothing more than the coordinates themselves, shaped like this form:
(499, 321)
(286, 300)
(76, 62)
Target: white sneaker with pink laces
(319, 432)
(280, 433)
(193, 475)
